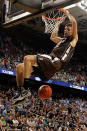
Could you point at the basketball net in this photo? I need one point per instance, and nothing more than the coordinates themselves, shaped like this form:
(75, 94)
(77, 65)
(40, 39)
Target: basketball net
(52, 20)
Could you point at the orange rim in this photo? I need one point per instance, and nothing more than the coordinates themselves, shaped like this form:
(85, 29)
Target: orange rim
(63, 10)
(47, 18)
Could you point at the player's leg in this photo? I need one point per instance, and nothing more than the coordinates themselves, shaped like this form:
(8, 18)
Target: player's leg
(20, 75)
(25, 69)
(29, 61)
(19, 81)
(21, 93)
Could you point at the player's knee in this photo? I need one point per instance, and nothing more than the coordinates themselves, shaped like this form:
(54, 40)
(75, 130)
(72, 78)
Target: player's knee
(27, 59)
(19, 66)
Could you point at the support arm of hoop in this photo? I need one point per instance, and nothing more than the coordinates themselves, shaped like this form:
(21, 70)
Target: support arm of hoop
(28, 5)
(13, 1)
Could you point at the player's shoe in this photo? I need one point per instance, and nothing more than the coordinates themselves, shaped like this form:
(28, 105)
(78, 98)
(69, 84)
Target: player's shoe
(21, 97)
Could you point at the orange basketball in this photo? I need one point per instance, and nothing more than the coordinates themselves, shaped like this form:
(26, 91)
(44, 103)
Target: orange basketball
(44, 92)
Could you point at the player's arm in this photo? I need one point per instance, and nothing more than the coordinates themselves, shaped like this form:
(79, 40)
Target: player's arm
(54, 35)
(74, 28)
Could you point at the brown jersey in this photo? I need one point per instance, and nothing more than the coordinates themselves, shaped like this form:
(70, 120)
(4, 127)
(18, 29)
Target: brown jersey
(48, 65)
(63, 50)
(61, 47)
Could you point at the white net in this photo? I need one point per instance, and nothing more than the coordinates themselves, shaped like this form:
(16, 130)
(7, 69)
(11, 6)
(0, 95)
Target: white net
(52, 20)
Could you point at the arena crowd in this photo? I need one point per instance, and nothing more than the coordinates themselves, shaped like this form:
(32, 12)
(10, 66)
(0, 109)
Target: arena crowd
(73, 73)
(55, 114)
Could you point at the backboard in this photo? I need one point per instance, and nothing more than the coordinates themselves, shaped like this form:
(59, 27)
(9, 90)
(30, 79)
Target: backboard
(20, 11)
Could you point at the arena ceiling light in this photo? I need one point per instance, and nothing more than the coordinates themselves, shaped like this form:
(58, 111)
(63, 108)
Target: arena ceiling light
(82, 4)
(70, 6)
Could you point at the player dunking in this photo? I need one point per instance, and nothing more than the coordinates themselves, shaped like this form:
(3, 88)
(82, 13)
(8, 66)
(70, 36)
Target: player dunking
(45, 66)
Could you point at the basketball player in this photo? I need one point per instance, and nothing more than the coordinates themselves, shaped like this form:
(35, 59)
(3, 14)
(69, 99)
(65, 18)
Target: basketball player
(45, 66)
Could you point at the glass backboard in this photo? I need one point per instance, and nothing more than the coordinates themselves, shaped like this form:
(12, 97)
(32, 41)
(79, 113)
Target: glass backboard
(20, 11)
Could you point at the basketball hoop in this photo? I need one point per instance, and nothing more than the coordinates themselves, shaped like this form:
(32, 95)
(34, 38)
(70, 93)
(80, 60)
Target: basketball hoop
(52, 19)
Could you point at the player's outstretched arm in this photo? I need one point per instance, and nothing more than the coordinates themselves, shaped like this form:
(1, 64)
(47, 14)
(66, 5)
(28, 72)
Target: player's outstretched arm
(74, 28)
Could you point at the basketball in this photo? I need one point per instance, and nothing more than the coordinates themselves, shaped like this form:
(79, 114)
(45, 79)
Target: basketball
(45, 92)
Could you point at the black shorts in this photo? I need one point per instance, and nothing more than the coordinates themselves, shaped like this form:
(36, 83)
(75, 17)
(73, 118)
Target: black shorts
(47, 66)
